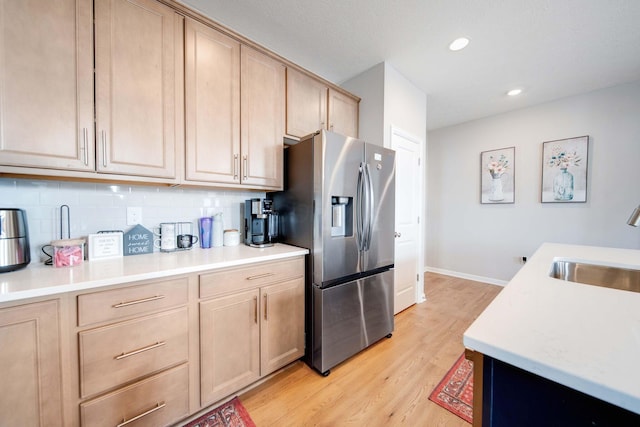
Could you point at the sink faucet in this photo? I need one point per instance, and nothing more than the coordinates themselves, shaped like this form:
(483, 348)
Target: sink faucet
(634, 219)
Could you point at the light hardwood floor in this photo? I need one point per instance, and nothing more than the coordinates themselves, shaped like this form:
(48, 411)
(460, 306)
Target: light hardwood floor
(389, 383)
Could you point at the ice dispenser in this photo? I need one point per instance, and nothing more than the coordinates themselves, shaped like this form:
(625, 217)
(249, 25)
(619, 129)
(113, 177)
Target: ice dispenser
(341, 216)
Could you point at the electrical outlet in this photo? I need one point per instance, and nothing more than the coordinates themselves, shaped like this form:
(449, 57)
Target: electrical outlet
(523, 259)
(134, 216)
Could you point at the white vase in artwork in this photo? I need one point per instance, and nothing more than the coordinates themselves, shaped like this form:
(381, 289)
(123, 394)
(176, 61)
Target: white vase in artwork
(496, 193)
(563, 185)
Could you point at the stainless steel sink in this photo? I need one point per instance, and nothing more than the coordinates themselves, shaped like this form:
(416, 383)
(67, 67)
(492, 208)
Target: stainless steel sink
(598, 275)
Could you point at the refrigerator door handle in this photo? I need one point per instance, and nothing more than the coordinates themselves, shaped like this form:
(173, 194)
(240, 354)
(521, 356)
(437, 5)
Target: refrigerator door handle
(360, 207)
(370, 208)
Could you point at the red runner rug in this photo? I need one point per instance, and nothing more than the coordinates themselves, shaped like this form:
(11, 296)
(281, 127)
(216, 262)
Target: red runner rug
(455, 392)
(230, 414)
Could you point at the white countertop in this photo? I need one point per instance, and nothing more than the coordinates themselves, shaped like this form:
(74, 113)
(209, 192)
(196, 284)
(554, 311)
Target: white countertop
(39, 280)
(582, 336)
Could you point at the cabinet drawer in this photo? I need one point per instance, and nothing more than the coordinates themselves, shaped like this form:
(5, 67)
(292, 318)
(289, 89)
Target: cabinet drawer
(157, 401)
(119, 353)
(252, 276)
(135, 300)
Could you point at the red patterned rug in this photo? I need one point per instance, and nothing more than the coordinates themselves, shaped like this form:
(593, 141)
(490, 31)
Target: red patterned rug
(230, 414)
(455, 391)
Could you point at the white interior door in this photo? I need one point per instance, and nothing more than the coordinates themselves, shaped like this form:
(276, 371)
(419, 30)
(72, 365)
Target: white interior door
(409, 287)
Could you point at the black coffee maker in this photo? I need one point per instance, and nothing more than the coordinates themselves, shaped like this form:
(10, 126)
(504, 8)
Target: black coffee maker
(260, 223)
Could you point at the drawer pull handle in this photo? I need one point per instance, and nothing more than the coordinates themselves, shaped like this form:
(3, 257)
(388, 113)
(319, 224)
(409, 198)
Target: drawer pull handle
(144, 414)
(147, 348)
(104, 149)
(85, 146)
(236, 166)
(266, 302)
(260, 276)
(244, 168)
(138, 301)
(255, 310)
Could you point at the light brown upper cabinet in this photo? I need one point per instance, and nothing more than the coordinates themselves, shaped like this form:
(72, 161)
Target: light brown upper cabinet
(235, 100)
(262, 106)
(46, 84)
(306, 104)
(343, 114)
(212, 100)
(138, 74)
(312, 105)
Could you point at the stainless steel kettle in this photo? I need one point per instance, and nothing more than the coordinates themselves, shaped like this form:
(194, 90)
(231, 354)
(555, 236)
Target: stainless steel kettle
(14, 240)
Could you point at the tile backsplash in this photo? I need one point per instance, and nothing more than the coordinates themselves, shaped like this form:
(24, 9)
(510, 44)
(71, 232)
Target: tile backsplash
(94, 207)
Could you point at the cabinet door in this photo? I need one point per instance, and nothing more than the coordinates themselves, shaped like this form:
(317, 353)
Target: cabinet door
(306, 104)
(46, 84)
(229, 344)
(212, 84)
(343, 114)
(282, 334)
(136, 83)
(30, 365)
(262, 119)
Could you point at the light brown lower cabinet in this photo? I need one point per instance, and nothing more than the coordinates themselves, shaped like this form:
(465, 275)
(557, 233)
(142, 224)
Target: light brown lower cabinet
(229, 344)
(148, 353)
(250, 332)
(133, 353)
(157, 401)
(30, 365)
(282, 324)
(116, 354)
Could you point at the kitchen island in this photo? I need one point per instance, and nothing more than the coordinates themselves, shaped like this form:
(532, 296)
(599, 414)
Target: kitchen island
(580, 337)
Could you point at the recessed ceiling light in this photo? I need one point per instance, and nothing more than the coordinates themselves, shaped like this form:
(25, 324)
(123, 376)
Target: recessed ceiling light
(514, 92)
(459, 44)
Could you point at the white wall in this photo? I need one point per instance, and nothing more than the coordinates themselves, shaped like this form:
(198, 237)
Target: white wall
(467, 238)
(405, 106)
(388, 100)
(95, 207)
(369, 86)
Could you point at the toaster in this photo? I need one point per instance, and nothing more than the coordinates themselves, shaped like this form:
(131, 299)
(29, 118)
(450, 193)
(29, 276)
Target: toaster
(14, 240)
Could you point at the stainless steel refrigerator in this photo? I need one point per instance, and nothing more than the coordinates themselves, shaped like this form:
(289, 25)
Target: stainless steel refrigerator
(339, 202)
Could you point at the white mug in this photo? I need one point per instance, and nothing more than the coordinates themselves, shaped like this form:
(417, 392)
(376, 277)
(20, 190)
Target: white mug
(167, 240)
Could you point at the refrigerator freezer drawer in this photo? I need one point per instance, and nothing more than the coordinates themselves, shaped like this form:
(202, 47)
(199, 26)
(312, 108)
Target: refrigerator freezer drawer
(347, 318)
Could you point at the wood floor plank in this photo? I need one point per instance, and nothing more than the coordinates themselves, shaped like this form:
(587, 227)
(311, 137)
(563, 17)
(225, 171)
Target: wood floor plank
(389, 383)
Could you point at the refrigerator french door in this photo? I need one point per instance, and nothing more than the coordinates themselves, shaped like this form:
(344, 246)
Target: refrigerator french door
(338, 202)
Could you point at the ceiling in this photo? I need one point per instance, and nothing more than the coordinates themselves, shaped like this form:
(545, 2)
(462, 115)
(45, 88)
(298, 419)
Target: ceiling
(548, 48)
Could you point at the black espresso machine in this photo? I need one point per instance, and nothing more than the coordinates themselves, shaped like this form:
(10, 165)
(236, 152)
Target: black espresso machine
(260, 223)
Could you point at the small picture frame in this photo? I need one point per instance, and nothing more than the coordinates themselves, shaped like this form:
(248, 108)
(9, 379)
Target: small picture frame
(105, 246)
(497, 176)
(564, 170)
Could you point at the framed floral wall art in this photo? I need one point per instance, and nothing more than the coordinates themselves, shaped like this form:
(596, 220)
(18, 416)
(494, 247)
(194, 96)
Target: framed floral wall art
(564, 170)
(497, 183)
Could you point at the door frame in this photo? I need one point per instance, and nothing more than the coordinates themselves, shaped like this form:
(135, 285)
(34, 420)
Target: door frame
(396, 131)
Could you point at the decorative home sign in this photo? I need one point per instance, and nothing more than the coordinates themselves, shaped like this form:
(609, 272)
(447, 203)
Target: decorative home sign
(138, 241)
(497, 183)
(564, 170)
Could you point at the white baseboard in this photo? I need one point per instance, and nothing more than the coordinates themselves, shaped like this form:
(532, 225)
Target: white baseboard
(467, 276)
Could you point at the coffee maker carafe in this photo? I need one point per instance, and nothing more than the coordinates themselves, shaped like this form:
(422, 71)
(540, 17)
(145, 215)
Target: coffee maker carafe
(260, 223)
